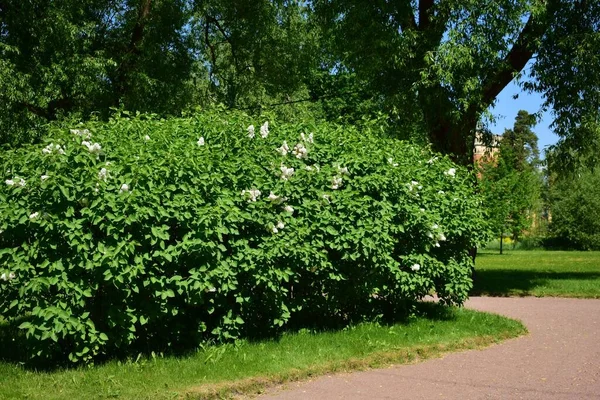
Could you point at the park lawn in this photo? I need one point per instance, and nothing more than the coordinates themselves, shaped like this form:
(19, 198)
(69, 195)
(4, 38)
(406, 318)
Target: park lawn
(223, 371)
(538, 273)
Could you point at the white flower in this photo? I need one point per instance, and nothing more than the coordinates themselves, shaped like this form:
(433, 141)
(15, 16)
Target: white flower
(431, 160)
(415, 267)
(286, 172)
(280, 225)
(274, 229)
(251, 131)
(307, 139)
(343, 170)
(437, 244)
(9, 182)
(336, 182)
(283, 150)
(442, 237)
(22, 182)
(44, 177)
(146, 138)
(34, 215)
(414, 184)
(422, 209)
(201, 141)
(435, 226)
(441, 192)
(276, 199)
(93, 148)
(450, 172)
(289, 209)
(53, 147)
(391, 162)
(300, 151)
(251, 194)
(103, 174)
(124, 188)
(81, 132)
(108, 163)
(7, 277)
(264, 130)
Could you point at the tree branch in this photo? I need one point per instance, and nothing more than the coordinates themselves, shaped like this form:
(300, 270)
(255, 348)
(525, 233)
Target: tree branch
(425, 7)
(211, 48)
(514, 62)
(405, 17)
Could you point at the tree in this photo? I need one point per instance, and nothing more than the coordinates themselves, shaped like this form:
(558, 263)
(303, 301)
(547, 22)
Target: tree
(446, 61)
(511, 180)
(87, 56)
(575, 209)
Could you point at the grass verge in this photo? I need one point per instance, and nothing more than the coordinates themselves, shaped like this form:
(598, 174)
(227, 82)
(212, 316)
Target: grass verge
(538, 273)
(245, 368)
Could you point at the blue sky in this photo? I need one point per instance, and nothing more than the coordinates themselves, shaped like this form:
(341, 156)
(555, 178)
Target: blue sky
(506, 109)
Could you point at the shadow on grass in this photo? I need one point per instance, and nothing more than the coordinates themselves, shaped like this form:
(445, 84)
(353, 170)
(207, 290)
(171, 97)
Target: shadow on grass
(510, 282)
(15, 347)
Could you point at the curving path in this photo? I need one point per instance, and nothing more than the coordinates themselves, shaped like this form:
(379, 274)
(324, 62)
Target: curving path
(559, 359)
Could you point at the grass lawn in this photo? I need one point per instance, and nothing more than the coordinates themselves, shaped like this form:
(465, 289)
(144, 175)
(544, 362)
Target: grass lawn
(250, 367)
(538, 273)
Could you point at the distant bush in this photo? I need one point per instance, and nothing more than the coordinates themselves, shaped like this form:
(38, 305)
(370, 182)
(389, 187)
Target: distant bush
(575, 208)
(146, 234)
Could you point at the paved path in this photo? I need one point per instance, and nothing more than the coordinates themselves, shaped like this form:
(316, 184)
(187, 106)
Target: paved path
(559, 359)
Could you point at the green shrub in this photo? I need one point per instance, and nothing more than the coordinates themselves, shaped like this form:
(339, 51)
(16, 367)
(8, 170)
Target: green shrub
(146, 234)
(575, 209)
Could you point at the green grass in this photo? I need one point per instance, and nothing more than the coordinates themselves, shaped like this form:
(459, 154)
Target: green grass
(538, 273)
(250, 367)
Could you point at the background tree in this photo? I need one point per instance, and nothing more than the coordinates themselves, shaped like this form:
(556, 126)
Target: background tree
(511, 180)
(445, 62)
(87, 56)
(575, 209)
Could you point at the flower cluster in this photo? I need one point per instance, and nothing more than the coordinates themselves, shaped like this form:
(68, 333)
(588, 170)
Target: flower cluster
(250, 130)
(7, 277)
(280, 225)
(103, 174)
(286, 172)
(124, 188)
(275, 199)
(415, 267)
(300, 151)
(51, 148)
(284, 149)
(308, 139)
(450, 172)
(414, 184)
(16, 182)
(251, 194)
(264, 130)
(93, 148)
(336, 182)
(200, 141)
(81, 132)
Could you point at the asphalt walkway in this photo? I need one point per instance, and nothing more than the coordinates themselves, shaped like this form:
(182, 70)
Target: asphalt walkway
(558, 359)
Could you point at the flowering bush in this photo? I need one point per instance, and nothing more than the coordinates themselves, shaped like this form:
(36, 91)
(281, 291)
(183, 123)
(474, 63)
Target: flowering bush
(146, 234)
